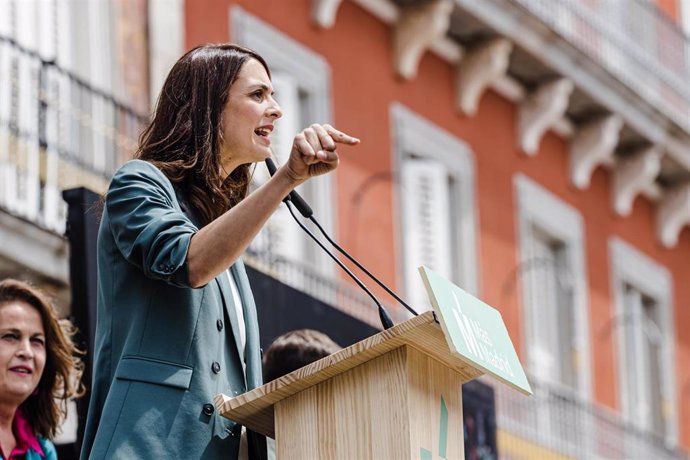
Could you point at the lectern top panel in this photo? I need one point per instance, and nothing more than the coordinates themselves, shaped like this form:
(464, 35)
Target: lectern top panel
(254, 409)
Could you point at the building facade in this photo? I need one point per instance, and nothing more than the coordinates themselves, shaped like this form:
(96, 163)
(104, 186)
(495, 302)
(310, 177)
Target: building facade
(537, 153)
(74, 93)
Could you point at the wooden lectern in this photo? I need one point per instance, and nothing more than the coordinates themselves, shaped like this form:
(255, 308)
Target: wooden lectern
(394, 395)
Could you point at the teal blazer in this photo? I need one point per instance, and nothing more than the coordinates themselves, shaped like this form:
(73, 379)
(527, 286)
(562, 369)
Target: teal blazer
(163, 350)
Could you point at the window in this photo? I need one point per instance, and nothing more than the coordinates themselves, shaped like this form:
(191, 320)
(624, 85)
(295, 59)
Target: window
(58, 132)
(550, 292)
(436, 203)
(643, 325)
(301, 80)
(552, 274)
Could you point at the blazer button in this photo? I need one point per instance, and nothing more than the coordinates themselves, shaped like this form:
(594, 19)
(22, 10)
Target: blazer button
(215, 367)
(208, 409)
(219, 324)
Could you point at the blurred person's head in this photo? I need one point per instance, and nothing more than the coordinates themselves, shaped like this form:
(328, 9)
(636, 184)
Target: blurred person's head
(39, 365)
(296, 349)
(205, 133)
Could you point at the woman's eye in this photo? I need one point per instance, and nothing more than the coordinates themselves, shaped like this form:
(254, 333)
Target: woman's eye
(9, 336)
(38, 341)
(258, 95)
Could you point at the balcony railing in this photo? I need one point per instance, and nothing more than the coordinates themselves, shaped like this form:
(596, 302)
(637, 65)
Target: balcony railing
(334, 292)
(633, 41)
(56, 132)
(557, 421)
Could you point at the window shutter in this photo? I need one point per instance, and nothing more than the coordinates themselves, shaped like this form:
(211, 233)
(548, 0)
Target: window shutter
(551, 332)
(634, 358)
(644, 363)
(655, 368)
(426, 211)
(540, 270)
(281, 236)
(287, 126)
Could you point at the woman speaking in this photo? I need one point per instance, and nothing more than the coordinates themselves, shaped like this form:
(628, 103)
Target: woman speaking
(176, 317)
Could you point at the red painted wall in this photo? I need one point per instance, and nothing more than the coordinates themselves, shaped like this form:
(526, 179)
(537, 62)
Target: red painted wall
(358, 50)
(671, 8)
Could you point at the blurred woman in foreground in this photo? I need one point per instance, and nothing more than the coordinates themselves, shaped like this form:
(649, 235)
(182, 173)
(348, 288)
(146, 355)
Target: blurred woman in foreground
(39, 372)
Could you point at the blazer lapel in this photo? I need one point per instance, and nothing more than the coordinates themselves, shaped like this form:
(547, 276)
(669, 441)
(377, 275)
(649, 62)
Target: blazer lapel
(252, 353)
(230, 311)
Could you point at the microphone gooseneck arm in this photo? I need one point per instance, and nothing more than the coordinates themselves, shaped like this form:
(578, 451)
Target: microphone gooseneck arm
(385, 318)
(360, 266)
(303, 207)
(297, 200)
(307, 213)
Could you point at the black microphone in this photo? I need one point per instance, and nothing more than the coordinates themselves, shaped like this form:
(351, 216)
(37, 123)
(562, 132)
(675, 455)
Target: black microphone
(307, 213)
(293, 197)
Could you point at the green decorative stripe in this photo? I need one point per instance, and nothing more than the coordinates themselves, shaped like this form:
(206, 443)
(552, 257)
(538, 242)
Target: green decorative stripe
(443, 435)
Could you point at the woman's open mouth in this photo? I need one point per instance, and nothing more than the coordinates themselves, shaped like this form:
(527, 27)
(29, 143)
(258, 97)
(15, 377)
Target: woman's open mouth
(23, 370)
(263, 133)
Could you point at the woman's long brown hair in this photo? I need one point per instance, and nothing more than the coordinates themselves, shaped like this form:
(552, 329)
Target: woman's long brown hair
(61, 378)
(184, 138)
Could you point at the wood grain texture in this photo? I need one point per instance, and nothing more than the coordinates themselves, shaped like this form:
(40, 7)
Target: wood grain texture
(389, 407)
(429, 380)
(254, 409)
(360, 414)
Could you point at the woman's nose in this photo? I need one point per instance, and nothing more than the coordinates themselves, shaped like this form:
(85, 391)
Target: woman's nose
(25, 349)
(275, 111)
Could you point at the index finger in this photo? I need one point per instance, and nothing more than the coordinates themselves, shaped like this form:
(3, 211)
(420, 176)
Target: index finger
(340, 137)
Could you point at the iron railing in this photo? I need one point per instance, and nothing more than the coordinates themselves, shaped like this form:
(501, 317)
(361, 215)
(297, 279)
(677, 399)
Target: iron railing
(557, 420)
(633, 41)
(56, 132)
(332, 291)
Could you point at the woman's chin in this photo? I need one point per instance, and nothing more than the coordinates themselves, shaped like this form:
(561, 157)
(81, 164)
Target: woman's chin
(263, 155)
(17, 394)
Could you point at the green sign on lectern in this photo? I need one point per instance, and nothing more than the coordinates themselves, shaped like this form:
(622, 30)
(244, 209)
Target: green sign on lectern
(475, 331)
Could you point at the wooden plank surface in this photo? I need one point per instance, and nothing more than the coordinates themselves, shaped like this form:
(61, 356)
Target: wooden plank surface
(428, 383)
(254, 409)
(361, 414)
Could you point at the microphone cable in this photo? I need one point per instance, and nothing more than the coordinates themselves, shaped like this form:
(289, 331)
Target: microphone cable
(385, 318)
(306, 212)
(369, 274)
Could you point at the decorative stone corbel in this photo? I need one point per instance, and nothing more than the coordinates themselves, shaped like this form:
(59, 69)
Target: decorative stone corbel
(478, 69)
(418, 26)
(632, 176)
(591, 146)
(541, 110)
(673, 213)
(323, 12)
